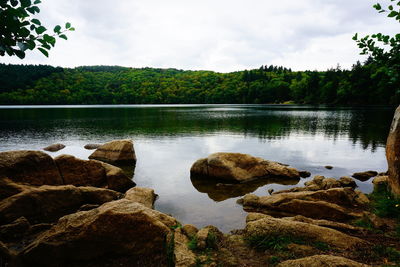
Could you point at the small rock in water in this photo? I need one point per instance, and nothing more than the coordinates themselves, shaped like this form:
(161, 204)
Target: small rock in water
(54, 147)
(328, 167)
(92, 146)
(270, 191)
(304, 174)
(364, 176)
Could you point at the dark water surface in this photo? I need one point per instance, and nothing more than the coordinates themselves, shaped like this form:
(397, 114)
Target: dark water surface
(168, 139)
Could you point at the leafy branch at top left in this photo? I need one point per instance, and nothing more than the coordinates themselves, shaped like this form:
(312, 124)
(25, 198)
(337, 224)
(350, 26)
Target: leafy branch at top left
(21, 31)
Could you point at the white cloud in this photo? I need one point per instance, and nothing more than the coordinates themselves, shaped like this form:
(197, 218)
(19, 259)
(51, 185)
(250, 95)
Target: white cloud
(223, 35)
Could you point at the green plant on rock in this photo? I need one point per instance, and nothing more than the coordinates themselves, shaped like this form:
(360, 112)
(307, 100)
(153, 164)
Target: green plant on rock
(384, 203)
(389, 253)
(272, 242)
(170, 249)
(321, 246)
(211, 240)
(192, 245)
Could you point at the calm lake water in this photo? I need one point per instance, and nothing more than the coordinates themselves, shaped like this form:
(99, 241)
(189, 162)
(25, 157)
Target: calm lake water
(169, 139)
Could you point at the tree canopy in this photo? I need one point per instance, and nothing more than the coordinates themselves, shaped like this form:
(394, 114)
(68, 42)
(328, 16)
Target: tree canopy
(21, 31)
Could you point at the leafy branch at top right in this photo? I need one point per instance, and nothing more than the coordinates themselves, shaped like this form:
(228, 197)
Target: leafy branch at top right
(384, 49)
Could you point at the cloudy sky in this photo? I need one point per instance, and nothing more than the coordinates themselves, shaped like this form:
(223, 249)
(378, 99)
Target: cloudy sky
(219, 35)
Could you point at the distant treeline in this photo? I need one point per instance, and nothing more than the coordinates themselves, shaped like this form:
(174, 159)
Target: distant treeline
(364, 84)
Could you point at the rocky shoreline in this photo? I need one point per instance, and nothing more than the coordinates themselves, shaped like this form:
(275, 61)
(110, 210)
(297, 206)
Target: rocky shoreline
(71, 212)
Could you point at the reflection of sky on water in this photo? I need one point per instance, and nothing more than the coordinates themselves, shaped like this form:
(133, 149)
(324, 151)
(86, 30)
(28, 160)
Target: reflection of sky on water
(168, 143)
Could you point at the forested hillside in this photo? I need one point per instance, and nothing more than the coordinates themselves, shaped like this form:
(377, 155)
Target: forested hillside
(366, 83)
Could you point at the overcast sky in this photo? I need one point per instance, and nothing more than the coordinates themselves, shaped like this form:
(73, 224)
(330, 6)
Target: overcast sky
(219, 35)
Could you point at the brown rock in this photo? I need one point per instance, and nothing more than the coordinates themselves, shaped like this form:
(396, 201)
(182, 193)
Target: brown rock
(144, 196)
(92, 146)
(329, 167)
(380, 180)
(332, 204)
(208, 237)
(9, 188)
(30, 167)
(302, 250)
(241, 168)
(118, 152)
(183, 255)
(14, 230)
(48, 203)
(347, 182)
(121, 228)
(321, 260)
(190, 230)
(54, 147)
(393, 153)
(80, 172)
(364, 176)
(272, 226)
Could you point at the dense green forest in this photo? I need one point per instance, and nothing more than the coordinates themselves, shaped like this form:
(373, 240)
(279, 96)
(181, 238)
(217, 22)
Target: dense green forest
(363, 84)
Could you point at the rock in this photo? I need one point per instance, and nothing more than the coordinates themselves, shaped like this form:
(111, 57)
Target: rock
(144, 196)
(393, 153)
(190, 230)
(30, 167)
(337, 204)
(15, 230)
(376, 222)
(270, 191)
(118, 152)
(40, 227)
(222, 191)
(238, 167)
(121, 228)
(321, 260)
(80, 172)
(378, 181)
(6, 256)
(9, 188)
(183, 255)
(87, 207)
(269, 226)
(304, 174)
(48, 203)
(329, 183)
(92, 146)
(347, 182)
(116, 178)
(302, 250)
(364, 176)
(329, 167)
(54, 147)
(208, 237)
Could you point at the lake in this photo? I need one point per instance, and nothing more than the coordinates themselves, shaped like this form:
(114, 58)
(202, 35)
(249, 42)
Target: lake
(169, 139)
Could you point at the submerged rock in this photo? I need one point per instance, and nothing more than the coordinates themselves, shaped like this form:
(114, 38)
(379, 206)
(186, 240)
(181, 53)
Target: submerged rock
(92, 146)
(364, 176)
(30, 167)
(118, 152)
(121, 228)
(238, 167)
(321, 260)
(54, 147)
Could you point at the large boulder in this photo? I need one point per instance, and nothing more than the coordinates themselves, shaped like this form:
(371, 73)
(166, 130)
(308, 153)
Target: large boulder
(364, 176)
(121, 228)
(30, 167)
(9, 188)
(269, 226)
(393, 153)
(48, 203)
(321, 260)
(80, 172)
(118, 152)
(238, 167)
(339, 204)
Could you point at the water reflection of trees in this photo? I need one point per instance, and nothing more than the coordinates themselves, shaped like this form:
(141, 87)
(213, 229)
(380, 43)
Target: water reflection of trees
(369, 127)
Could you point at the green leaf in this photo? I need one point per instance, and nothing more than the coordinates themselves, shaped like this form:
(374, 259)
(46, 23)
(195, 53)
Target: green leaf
(63, 36)
(355, 37)
(71, 29)
(40, 30)
(67, 25)
(57, 29)
(19, 54)
(36, 21)
(392, 14)
(37, 2)
(44, 52)
(26, 3)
